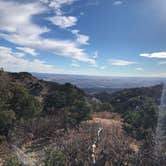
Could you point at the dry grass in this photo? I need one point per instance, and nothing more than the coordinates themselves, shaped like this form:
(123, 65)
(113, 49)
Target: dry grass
(112, 121)
(107, 115)
(106, 119)
(5, 152)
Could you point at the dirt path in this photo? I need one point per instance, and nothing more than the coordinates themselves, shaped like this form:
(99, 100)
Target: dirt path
(106, 119)
(109, 120)
(106, 122)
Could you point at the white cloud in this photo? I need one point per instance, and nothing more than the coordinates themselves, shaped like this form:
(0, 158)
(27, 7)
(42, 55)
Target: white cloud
(60, 19)
(119, 62)
(27, 50)
(117, 2)
(75, 63)
(162, 63)
(18, 54)
(63, 21)
(17, 27)
(16, 18)
(11, 62)
(57, 4)
(75, 31)
(139, 69)
(154, 55)
(81, 39)
(58, 47)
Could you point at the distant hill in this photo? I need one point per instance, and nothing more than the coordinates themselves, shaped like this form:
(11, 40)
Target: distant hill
(96, 84)
(126, 94)
(138, 107)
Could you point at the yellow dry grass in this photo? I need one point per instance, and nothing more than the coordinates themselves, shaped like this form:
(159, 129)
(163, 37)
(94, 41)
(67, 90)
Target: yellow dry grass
(112, 120)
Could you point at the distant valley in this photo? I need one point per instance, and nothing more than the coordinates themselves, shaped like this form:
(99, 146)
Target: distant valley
(98, 84)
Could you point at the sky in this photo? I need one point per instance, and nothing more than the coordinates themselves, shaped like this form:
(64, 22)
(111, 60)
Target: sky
(89, 37)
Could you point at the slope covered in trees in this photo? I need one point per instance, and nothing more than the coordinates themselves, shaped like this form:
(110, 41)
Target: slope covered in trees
(57, 124)
(138, 108)
(24, 96)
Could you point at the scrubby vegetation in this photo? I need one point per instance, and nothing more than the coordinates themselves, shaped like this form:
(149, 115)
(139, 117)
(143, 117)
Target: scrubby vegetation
(60, 123)
(70, 102)
(138, 108)
(17, 101)
(13, 161)
(15, 104)
(54, 157)
(141, 119)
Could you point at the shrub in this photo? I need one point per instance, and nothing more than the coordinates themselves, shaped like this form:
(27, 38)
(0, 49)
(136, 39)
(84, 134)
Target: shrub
(23, 104)
(55, 157)
(13, 161)
(6, 120)
(15, 104)
(140, 116)
(78, 113)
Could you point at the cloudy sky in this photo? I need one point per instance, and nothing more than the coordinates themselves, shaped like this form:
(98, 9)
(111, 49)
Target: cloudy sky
(94, 37)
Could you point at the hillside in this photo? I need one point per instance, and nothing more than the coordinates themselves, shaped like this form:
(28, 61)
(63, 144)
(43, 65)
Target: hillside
(125, 94)
(35, 86)
(47, 123)
(52, 97)
(138, 107)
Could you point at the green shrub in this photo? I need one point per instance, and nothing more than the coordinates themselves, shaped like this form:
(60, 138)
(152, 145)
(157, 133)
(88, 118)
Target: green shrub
(6, 120)
(139, 116)
(23, 104)
(78, 113)
(69, 102)
(55, 158)
(15, 104)
(13, 161)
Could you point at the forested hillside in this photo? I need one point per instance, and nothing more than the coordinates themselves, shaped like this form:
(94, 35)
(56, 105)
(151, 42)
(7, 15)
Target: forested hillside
(46, 123)
(32, 108)
(138, 108)
(24, 96)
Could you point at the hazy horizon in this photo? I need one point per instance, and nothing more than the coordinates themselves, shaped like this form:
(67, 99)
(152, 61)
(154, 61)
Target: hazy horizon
(107, 76)
(101, 82)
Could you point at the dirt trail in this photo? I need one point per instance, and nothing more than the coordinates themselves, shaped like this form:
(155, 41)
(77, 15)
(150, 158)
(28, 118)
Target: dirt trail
(109, 120)
(106, 119)
(31, 154)
(106, 122)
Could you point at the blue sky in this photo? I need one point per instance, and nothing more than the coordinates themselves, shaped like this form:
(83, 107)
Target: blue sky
(92, 37)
